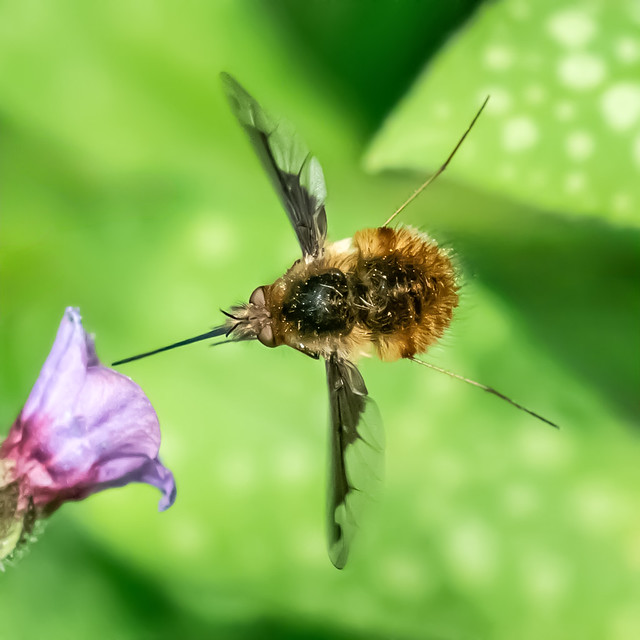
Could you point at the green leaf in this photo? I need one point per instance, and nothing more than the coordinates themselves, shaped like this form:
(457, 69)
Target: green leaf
(562, 127)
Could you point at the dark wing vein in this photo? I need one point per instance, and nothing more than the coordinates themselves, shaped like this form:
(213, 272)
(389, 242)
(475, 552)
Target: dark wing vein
(356, 455)
(295, 173)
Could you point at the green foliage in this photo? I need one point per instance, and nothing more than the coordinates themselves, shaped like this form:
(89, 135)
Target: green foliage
(562, 127)
(129, 190)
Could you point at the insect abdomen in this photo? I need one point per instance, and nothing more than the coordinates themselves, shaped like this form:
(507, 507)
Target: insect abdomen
(406, 290)
(392, 293)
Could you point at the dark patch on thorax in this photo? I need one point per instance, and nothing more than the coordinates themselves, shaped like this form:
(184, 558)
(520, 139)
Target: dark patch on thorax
(320, 304)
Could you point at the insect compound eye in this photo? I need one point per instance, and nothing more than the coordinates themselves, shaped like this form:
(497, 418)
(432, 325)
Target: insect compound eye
(258, 297)
(266, 336)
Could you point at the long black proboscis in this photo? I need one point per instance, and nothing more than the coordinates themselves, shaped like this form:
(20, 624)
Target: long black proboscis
(214, 333)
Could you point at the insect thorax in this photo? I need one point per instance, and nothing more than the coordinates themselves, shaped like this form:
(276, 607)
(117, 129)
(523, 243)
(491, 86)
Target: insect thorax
(321, 304)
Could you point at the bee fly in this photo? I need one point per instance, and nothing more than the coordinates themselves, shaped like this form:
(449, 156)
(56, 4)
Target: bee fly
(390, 290)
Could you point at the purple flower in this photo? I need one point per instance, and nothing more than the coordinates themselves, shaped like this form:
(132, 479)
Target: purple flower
(84, 428)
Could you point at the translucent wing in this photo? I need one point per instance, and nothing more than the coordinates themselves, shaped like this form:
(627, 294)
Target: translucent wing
(295, 173)
(357, 455)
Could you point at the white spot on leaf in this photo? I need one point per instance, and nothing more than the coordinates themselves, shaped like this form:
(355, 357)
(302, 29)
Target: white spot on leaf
(473, 551)
(574, 182)
(498, 57)
(519, 134)
(621, 105)
(627, 49)
(499, 100)
(292, 464)
(572, 27)
(212, 238)
(546, 577)
(539, 449)
(635, 151)
(581, 71)
(579, 145)
(598, 508)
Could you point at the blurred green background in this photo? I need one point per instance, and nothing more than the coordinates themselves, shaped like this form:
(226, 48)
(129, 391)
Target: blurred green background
(129, 191)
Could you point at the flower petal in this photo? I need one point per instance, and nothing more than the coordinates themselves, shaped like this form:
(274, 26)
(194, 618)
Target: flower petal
(84, 427)
(63, 372)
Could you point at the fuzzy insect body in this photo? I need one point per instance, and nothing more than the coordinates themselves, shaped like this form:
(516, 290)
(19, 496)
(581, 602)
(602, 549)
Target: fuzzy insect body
(390, 290)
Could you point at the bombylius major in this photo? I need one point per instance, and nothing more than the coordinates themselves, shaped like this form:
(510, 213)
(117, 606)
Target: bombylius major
(387, 290)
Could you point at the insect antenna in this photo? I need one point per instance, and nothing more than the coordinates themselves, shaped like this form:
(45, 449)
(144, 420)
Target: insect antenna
(484, 387)
(429, 180)
(214, 333)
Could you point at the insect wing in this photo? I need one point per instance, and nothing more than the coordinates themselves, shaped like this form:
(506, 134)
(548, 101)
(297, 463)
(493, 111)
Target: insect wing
(296, 175)
(356, 455)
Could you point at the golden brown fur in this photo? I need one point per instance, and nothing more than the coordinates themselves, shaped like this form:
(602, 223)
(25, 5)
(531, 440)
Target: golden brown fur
(439, 295)
(400, 296)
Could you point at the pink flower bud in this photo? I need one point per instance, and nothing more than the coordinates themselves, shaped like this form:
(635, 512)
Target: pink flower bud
(84, 428)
